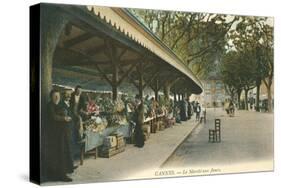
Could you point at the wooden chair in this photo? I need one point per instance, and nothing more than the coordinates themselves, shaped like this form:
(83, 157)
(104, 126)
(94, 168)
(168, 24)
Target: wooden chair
(211, 135)
(218, 130)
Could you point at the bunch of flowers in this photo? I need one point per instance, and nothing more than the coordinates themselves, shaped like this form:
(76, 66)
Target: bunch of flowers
(119, 106)
(106, 105)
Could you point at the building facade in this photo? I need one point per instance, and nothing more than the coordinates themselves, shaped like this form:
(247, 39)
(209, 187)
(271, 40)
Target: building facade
(214, 93)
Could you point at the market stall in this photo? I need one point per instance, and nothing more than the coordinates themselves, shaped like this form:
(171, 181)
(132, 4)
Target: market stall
(107, 50)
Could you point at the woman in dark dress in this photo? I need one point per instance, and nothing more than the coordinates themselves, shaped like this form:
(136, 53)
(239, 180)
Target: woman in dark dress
(183, 110)
(139, 136)
(59, 159)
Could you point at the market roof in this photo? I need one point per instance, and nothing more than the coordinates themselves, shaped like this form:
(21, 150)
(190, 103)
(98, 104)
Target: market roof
(84, 45)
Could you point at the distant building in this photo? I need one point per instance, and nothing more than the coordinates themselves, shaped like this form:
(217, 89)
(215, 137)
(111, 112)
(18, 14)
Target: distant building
(214, 92)
(213, 95)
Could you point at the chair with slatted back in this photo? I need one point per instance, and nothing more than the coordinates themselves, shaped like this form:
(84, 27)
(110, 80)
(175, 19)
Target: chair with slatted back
(218, 130)
(211, 135)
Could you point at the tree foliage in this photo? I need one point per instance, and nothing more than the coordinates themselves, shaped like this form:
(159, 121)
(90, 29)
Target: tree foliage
(238, 47)
(197, 38)
(253, 40)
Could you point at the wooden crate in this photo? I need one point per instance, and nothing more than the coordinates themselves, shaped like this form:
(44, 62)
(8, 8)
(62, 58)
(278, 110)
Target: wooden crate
(120, 142)
(110, 153)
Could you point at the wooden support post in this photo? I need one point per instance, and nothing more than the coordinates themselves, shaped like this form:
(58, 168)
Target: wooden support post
(115, 83)
(103, 74)
(156, 95)
(140, 81)
(52, 23)
(115, 62)
(156, 90)
(140, 88)
(126, 73)
(167, 86)
(151, 79)
(175, 96)
(182, 96)
(188, 94)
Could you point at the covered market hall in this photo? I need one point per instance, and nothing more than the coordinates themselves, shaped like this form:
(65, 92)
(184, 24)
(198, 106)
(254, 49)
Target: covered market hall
(111, 55)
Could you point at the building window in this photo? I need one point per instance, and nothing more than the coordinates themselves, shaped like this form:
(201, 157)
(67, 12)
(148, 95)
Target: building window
(218, 85)
(208, 86)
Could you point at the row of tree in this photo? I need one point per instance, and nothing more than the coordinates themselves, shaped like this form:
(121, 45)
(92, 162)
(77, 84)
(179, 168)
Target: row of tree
(238, 49)
(248, 60)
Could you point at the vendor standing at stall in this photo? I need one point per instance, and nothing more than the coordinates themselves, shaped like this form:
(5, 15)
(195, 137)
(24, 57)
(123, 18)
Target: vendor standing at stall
(88, 109)
(183, 110)
(139, 136)
(77, 103)
(58, 155)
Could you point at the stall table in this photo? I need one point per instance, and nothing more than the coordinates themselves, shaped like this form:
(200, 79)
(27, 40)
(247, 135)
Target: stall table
(95, 139)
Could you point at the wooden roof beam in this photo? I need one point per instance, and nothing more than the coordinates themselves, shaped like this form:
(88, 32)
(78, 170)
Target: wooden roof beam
(77, 40)
(96, 50)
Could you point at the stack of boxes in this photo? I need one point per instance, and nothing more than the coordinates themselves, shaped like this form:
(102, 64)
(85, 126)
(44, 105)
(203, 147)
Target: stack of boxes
(120, 141)
(169, 122)
(161, 125)
(112, 145)
(146, 132)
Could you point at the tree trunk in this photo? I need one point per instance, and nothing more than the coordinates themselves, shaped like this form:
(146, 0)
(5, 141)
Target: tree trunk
(258, 84)
(246, 99)
(232, 95)
(269, 98)
(238, 98)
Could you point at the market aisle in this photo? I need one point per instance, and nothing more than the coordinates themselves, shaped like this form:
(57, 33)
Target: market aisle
(135, 162)
(247, 144)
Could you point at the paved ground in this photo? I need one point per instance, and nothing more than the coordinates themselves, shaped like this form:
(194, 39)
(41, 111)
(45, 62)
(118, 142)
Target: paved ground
(247, 145)
(134, 163)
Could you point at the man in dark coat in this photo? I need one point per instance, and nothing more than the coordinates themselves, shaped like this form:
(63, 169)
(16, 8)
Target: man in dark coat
(73, 145)
(77, 103)
(59, 159)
